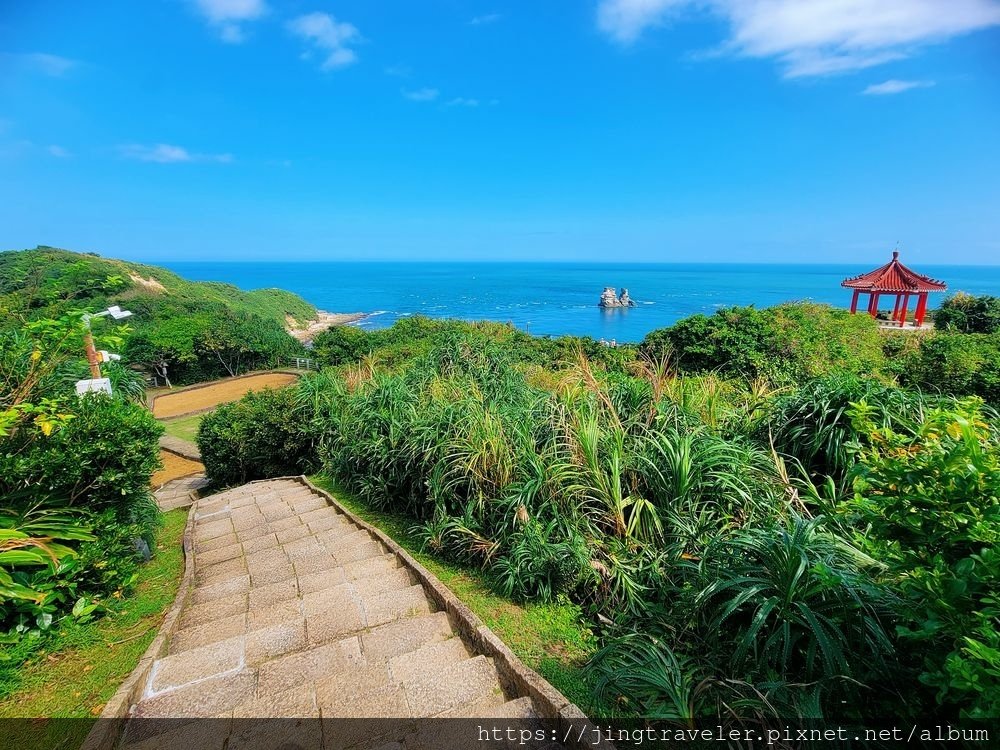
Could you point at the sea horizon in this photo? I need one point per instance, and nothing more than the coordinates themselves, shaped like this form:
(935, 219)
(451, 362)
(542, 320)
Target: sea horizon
(563, 302)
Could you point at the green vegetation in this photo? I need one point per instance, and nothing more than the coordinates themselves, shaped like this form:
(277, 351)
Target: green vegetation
(751, 512)
(83, 663)
(968, 314)
(549, 637)
(76, 513)
(183, 428)
(182, 331)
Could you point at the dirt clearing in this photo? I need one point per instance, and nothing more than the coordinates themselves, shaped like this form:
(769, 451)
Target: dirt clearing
(174, 467)
(204, 397)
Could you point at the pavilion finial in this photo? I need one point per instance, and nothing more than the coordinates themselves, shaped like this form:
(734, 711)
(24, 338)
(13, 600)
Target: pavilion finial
(895, 254)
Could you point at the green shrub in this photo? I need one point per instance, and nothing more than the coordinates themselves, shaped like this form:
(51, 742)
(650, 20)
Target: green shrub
(955, 363)
(262, 435)
(786, 343)
(965, 313)
(928, 503)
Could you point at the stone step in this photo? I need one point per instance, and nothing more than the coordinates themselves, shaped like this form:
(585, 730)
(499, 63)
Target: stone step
(460, 684)
(394, 579)
(370, 566)
(395, 605)
(519, 708)
(358, 552)
(403, 636)
(480, 708)
(426, 660)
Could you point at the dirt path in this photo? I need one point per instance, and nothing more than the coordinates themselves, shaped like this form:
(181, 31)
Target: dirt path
(202, 397)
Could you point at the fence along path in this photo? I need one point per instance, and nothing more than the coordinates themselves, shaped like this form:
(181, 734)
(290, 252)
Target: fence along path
(296, 611)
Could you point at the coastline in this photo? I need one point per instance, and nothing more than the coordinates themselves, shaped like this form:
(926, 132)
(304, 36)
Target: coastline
(321, 322)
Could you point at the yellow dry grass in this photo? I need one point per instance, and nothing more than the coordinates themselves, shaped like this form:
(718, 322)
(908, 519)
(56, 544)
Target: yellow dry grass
(174, 467)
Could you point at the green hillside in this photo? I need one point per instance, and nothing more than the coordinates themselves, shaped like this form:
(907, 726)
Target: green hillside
(183, 330)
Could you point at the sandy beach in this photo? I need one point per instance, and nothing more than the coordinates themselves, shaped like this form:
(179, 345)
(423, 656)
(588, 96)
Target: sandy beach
(321, 322)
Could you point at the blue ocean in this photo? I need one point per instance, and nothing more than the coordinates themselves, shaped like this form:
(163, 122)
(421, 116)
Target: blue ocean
(560, 298)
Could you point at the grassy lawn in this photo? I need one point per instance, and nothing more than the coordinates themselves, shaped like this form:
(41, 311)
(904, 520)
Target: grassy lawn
(183, 428)
(81, 667)
(549, 638)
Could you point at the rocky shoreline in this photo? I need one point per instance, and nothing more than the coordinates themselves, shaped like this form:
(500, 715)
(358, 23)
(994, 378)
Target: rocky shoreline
(321, 322)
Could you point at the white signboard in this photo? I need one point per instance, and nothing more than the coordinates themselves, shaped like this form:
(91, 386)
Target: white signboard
(97, 385)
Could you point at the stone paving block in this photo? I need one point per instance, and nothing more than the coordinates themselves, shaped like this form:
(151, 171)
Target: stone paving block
(205, 532)
(275, 511)
(203, 699)
(333, 686)
(292, 533)
(492, 706)
(275, 735)
(304, 667)
(318, 514)
(338, 531)
(459, 684)
(220, 555)
(317, 564)
(259, 542)
(299, 702)
(211, 632)
(252, 532)
(308, 504)
(271, 574)
(220, 571)
(371, 566)
(171, 734)
(226, 606)
(266, 557)
(358, 552)
(230, 587)
(275, 614)
(285, 523)
(249, 521)
(172, 672)
(335, 596)
(434, 657)
(319, 581)
(394, 605)
(403, 636)
(385, 701)
(273, 641)
(219, 541)
(392, 580)
(325, 523)
(345, 541)
(334, 624)
(300, 549)
(272, 593)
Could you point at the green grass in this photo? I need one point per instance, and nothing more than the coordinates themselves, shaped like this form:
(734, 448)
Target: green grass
(184, 428)
(81, 666)
(552, 638)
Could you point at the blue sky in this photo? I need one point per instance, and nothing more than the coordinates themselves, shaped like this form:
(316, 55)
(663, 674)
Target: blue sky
(645, 130)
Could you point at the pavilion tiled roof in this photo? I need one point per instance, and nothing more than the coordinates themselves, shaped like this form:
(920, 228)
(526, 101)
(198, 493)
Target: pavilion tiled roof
(894, 277)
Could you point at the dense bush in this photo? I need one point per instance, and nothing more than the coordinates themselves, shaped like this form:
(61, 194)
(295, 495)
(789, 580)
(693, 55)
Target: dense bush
(260, 436)
(954, 363)
(786, 343)
(968, 314)
(74, 484)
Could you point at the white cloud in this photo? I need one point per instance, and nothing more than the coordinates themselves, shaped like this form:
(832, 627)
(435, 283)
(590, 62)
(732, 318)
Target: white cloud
(42, 62)
(58, 151)
(228, 16)
(421, 95)
(461, 101)
(485, 19)
(893, 86)
(164, 153)
(331, 37)
(399, 71)
(819, 37)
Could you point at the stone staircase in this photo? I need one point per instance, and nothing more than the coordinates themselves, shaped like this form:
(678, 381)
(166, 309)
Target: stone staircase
(298, 612)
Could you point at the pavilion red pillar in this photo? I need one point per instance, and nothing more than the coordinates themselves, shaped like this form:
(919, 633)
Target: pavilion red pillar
(918, 317)
(895, 310)
(873, 304)
(854, 301)
(902, 313)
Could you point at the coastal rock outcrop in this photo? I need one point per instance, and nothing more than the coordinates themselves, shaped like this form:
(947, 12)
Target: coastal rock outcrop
(610, 299)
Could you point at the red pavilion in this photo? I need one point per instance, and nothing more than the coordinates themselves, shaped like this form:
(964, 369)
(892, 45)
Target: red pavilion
(894, 280)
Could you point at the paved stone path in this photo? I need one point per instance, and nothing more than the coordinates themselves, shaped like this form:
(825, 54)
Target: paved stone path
(177, 492)
(298, 612)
